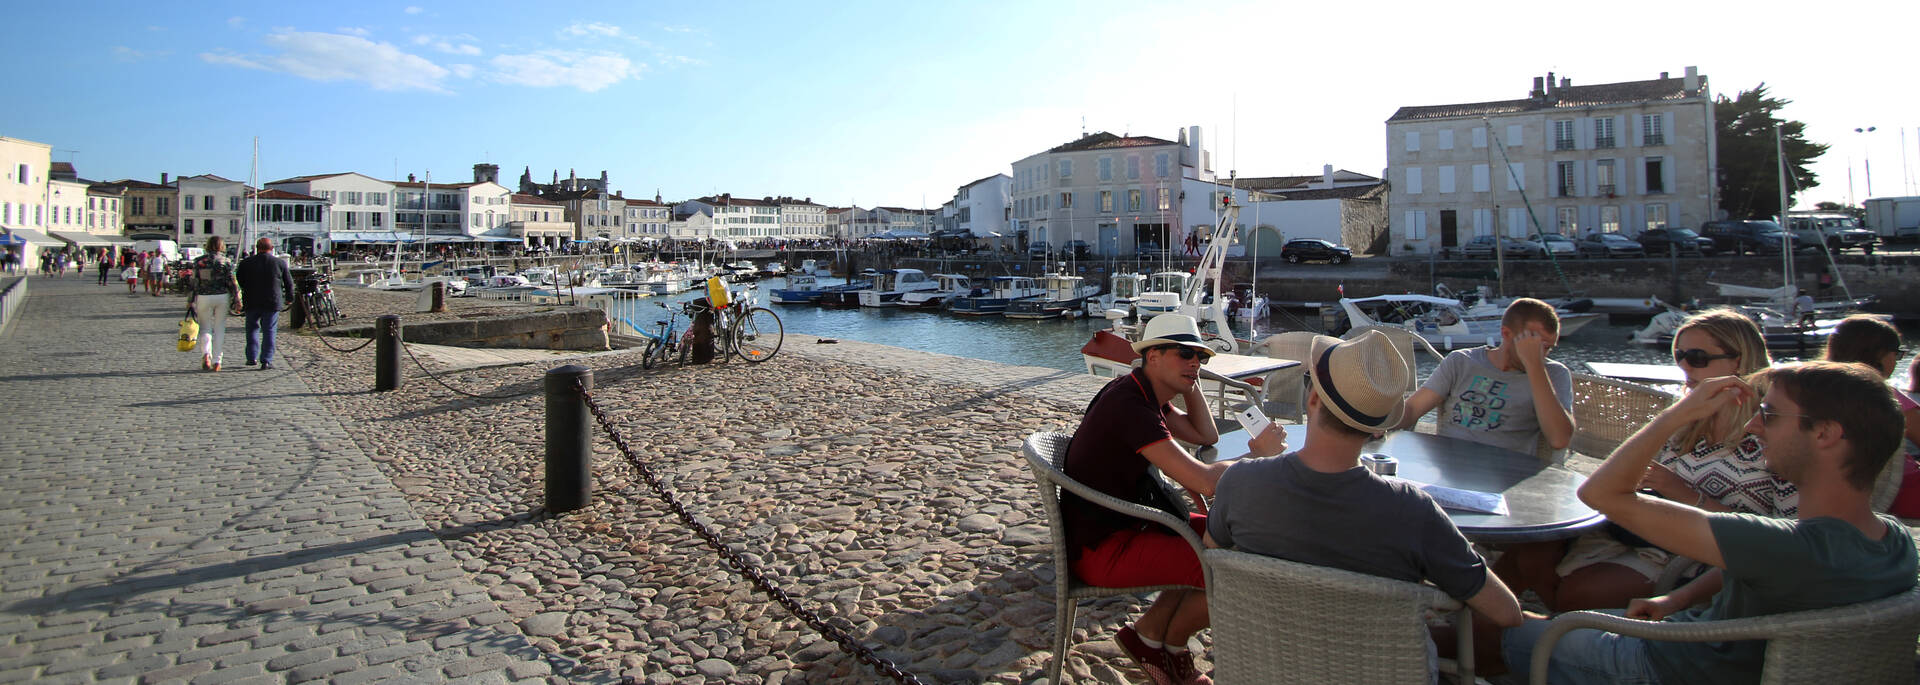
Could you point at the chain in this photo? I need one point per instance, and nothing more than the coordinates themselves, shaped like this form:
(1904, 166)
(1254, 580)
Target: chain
(457, 391)
(746, 569)
(356, 348)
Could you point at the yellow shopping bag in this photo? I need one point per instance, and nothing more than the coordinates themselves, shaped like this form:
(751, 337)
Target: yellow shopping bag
(717, 294)
(189, 334)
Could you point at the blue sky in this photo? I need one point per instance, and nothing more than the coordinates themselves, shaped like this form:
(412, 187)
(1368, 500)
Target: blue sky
(877, 103)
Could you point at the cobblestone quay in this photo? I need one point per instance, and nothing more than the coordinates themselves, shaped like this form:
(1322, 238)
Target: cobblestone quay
(162, 523)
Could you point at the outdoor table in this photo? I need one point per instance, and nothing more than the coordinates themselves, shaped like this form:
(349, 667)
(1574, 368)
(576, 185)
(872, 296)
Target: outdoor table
(1541, 500)
(1242, 368)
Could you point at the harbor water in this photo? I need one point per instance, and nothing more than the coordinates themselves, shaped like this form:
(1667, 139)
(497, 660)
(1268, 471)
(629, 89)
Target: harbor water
(1055, 343)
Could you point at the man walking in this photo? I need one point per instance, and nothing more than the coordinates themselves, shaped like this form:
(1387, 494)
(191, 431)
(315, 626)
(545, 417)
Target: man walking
(265, 285)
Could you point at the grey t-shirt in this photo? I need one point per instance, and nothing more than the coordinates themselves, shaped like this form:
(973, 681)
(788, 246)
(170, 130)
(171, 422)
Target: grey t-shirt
(1351, 520)
(1490, 406)
(1776, 566)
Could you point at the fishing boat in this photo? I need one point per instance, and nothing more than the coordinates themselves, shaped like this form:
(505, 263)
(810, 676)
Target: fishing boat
(994, 298)
(890, 285)
(1784, 334)
(1163, 294)
(1444, 322)
(804, 288)
(1124, 289)
(1065, 295)
(949, 286)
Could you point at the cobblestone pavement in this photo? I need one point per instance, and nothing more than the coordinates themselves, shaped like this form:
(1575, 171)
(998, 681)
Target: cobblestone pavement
(162, 523)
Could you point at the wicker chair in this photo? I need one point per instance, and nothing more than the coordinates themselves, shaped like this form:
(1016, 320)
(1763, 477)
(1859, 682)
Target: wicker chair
(1606, 412)
(1278, 621)
(1289, 385)
(1046, 452)
(1870, 642)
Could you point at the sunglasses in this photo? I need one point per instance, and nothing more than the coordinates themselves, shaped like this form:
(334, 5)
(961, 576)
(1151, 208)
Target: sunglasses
(1186, 353)
(1698, 358)
(1767, 414)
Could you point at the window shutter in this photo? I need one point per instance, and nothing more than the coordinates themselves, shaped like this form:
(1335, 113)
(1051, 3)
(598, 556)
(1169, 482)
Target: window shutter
(1580, 179)
(1413, 181)
(1516, 135)
(1517, 178)
(1639, 172)
(1583, 133)
(1666, 173)
(1633, 131)
(1666, 129)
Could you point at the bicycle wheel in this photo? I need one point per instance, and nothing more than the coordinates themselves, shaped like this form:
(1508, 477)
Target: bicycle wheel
(653, 355)
(333, 313)
(758, 334)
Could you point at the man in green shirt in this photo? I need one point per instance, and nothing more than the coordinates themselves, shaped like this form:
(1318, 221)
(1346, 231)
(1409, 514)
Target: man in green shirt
(1829, 429)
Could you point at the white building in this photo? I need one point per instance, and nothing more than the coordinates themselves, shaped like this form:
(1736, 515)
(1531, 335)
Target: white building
(737, 218)
(357, 204)
(695, 222)
(1114, 192)
(802, 218)
(450, 210)
(211, 206)
(1342, 207)
(297, 223)
(537, 221)
(647, 218)
(980, 207)
(1567, 159)
(23, 198)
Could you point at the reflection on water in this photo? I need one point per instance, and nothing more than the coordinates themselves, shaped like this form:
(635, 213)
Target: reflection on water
(1056, 343)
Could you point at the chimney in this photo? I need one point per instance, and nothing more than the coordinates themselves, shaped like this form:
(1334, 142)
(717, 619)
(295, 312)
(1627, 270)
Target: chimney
(1539, 90)
(409, 178)
(486, 173)
(1691, 82)
(163, 178)
(1663, 76)
(1550, 83)
(1326, 174)
(1566, 82)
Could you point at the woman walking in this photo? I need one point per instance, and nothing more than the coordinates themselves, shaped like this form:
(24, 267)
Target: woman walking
(214, 288)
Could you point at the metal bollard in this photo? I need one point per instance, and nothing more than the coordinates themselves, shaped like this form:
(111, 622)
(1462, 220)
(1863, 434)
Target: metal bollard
(569, 440)
(386, 353)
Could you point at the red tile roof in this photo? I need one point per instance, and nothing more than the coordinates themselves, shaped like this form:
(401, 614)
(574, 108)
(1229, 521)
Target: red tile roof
(142, 185)
(1568, 97)
(526, 199)
(309, 177)
(1104, 140)
(423, 184)
(272, 194)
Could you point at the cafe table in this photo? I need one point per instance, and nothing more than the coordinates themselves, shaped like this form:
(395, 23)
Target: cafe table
(1541, 500)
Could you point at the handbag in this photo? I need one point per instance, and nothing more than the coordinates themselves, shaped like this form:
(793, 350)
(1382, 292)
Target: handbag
(189, 331)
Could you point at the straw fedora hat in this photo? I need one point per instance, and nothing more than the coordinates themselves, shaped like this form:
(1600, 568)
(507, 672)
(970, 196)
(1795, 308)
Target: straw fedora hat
(1171, 329)
(1360, 380)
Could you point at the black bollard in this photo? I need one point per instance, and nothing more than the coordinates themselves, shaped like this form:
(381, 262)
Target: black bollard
(386, 353)
(569, 440)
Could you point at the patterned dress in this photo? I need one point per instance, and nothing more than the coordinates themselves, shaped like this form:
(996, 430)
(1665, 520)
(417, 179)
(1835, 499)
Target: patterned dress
(213, 275)
(1735, 474)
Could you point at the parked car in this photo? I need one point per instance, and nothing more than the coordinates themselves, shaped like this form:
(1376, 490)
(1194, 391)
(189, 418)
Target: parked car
(1038, 249)
(1482, 248)
(1610, 245)
(1312, 249)
(1075, 249)
(1741, 236)
(1554, 244)
(1146, 250)
(1660, 242)
(1834, 230)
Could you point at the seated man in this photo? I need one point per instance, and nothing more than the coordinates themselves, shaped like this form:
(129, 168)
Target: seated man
(1506, 396)
(1129, 426)
(1319, 506)
(1829, 429)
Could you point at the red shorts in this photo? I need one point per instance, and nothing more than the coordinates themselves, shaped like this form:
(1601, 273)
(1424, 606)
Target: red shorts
(1132, 558)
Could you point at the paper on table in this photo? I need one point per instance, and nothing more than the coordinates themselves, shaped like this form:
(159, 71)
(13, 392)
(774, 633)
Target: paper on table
(1466, 500)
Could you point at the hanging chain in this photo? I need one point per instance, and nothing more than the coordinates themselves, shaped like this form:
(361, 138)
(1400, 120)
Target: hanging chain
(457, 391)
(747, 569)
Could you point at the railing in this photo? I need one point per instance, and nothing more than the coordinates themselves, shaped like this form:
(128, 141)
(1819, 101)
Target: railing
(11, 295)
(1603, 142)
(1655, 139)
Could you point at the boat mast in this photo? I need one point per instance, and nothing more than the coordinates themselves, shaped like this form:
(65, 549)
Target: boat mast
(1786, 237)
(1493, 200)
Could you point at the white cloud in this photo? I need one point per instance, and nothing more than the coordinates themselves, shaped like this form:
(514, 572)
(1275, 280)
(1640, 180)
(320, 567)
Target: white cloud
(461, 70)
(592, 29)
(678, 28)
(354, 31)
(337, 57)
(462, 44)
(552, 68)
(415, 9)
(236, 22)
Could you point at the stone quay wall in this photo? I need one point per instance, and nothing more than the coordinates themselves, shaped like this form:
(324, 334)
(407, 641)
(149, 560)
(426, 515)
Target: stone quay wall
(565, 328)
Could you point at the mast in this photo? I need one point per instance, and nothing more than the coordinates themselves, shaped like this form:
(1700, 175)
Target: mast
(253, 183)
(1786, 237)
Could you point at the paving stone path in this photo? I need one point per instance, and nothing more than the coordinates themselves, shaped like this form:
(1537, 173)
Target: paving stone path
(161, 523)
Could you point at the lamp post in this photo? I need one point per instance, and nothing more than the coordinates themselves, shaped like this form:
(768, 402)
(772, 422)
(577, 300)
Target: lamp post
(1867, 158)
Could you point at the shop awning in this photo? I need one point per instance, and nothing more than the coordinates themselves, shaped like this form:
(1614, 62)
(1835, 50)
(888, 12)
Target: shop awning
(82, 239)
(370, 237)
(28, 235)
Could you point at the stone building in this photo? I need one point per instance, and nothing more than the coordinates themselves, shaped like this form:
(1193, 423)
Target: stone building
(1114, 192)
(149, 210)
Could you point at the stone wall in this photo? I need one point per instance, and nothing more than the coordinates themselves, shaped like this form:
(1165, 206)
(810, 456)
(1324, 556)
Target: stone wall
(567, 328)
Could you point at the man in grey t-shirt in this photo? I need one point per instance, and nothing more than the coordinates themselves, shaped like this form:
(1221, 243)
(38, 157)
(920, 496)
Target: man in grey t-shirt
(1508, 396)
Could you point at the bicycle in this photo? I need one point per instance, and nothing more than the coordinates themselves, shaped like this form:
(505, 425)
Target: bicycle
(321, 310)
(663, 342)
(745, 330)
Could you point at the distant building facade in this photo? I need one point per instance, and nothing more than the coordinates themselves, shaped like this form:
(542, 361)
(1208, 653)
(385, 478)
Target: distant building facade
(149, 210)
(296, 223)
(1567, 159)
(357, 203)
(210, 206)
(980, 207)
(1114, 192)
(537, 221)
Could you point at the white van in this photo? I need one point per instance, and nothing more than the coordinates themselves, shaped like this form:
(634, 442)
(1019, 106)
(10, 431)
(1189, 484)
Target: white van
(166, 247)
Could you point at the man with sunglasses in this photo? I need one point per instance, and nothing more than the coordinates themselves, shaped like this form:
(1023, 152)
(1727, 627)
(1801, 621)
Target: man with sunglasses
(1829, 430)
(1129, 426)
(1507, 396)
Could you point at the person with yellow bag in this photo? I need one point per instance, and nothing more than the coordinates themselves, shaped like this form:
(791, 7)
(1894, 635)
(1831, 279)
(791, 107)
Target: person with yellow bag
(214, 293)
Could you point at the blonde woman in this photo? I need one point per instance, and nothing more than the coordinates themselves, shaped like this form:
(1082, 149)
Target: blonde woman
(214, 289)
(1713, 464)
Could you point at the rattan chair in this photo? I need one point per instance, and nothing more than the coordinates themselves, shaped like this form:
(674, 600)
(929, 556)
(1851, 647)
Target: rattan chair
(1046, 453)
(1289, 385)
(1606, 412)
(1870, 642)
(1278, 621)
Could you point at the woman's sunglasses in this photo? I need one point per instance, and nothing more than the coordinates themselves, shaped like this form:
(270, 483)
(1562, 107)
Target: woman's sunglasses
(1698, 358)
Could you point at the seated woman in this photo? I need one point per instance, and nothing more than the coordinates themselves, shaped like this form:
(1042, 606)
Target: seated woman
(1714, 465)
(1870, 340)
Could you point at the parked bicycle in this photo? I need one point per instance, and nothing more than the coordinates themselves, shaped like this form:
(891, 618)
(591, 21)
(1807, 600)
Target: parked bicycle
(321, 310)
(664, 341)
(746, 330)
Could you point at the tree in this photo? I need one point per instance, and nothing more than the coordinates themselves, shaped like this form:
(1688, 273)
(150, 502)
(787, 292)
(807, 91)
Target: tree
(1857, 212)
(1749, 172)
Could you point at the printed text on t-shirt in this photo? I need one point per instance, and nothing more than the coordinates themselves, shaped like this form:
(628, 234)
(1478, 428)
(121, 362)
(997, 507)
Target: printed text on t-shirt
(1481, 405)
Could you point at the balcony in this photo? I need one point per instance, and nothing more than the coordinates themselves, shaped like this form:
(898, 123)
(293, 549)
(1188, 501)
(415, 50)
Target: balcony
(1563, 144)
(1608, 189)
(1656, 139)
(1604, 143)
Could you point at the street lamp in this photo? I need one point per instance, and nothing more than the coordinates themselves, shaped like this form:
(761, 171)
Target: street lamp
(1867, 158)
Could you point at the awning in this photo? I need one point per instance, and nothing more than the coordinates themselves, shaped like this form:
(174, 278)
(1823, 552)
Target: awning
(81, 239)
(29, 235)
(370, 237)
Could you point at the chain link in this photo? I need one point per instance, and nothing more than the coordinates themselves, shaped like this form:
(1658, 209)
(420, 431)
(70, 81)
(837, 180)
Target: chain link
(457, 391)
(745, 568)
(350, 350)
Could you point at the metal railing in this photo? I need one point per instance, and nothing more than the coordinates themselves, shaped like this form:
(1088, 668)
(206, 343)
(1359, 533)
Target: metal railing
(11, 295)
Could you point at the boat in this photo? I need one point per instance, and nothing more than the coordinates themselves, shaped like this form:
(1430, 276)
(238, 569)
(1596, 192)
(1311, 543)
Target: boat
(890, 285)
(812, 266)
(1066, 295)
(950, 286)
(1783, 334)
(804, 288)
(1124, 289)
(1446, 323)
(993, 299)
(1163, 294)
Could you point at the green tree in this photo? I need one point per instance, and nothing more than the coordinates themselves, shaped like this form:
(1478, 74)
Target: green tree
(1856, 211)
(1749, 172)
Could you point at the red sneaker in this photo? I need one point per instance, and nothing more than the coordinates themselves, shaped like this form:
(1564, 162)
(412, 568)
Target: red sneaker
(1180, 668)
(1152, 661)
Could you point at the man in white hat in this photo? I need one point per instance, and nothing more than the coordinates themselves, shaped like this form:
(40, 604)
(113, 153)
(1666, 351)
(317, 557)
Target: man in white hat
(1129, 426)
(1319, 506)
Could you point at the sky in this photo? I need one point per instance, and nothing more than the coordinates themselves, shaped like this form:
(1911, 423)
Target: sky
(885, 103)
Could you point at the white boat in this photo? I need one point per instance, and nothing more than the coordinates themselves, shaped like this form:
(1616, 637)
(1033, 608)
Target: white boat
(1122, 291)
(1781, 332)
(1066, 296)
(1443, 322)
(890, 285)
(506, 281)
(949, 286)
(1162, 295)
(994, 298)
(540, 275)
(811, 266)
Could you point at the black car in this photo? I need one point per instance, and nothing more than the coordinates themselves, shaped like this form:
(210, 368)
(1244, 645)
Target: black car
(1745, 236)
(1038, 249)
(1310, 249)
(1075, 249)
(1610, 245)
(1665, 241)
